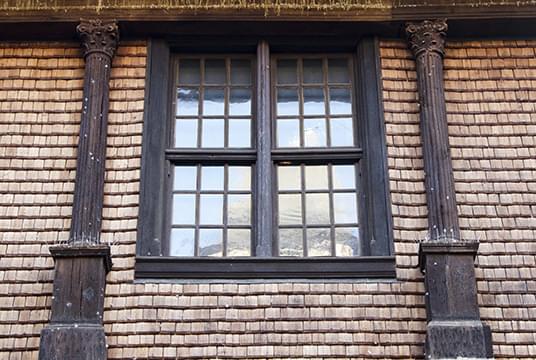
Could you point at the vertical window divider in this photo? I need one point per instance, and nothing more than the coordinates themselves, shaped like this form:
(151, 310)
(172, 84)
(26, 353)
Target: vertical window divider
(263, 175)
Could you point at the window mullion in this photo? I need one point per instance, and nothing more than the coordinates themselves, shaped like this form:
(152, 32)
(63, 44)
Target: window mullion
(263, 191)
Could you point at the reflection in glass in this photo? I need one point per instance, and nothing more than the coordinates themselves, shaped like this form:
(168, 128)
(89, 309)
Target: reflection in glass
(182, 242)
(215, 71)
(290, 211)
(312, 71)
(318, 242)
(240, 72)
(286, 72)
(316, 177)
(342, 132)
(189, 72)
(210, 242)
(183, 209)
(288, 133)
(212, 133)
(240, 102)
(212, 178)
(239, 133)
(340, 101)
(210, 209)
(313, 101)
(239, 178)
(187, 101)
(290, 242)
(213, 102)
(347, 242)
(185, 178)
(338, 71)
(345, 208)
(186, 133)
(287, 102)
(239, 209)
(317, 208)
(238, 242)
(343, 177)
(288, 178)
(314, 132)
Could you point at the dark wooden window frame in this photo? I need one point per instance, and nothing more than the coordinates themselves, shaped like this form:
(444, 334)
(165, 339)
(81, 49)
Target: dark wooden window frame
(376, 221)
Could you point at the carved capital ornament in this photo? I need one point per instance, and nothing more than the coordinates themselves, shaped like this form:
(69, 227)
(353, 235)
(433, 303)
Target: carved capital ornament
(98, 36)
(427, 36)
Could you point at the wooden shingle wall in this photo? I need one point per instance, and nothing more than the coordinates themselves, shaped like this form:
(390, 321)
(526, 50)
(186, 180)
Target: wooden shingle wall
(491, 93)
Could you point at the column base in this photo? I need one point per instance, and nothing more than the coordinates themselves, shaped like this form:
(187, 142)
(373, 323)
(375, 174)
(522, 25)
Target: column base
(73, 341)
(458, 339)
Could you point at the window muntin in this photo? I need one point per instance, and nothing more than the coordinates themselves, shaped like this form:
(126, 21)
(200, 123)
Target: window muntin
(211, 211)
(214, 97)
(313, 102)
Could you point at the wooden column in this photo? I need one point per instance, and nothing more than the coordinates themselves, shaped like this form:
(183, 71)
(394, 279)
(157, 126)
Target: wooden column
(454, 327)
(75, 330)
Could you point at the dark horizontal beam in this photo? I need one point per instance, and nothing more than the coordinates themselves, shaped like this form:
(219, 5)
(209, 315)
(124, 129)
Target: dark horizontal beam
(214, 156)
(311, 155)
(263, 268)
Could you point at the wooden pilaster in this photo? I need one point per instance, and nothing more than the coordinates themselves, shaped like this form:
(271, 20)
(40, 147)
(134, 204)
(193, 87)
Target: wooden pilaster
(454, 328)
(75, 330)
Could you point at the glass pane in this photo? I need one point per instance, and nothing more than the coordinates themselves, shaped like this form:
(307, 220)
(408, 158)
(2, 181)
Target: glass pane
(187, 102)
(239, 178)
(347, 242)
(240, 72)
(210, 242)
(183, 209)
(186, 133)
(290, 210)
(182, 242)
(342, 132)
(290, 242)
(286, 72)
(212, 178)
(185, 178)
(211, 209)
(238, 242)
(215, 71)
(318, 242)
(340, 101)
(213, 102)
(288, 178)
(338, 71)
(312, 71)
(240, 102)
(345, 208)
(189, 72)
(239, 133)
(314, 132)
(343, 177)
(212, 133)
(313, 101)
(288, 133)
(316, 177)
(317, 208)
(287, 102)
(239, 209)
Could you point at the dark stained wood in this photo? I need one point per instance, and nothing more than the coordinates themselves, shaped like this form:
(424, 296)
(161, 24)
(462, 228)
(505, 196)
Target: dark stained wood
(454, 328)
(427, 41)
(177, 11)
(153, 166)
(375, 193)
(264, 215)
(99, 41)
(265, 267)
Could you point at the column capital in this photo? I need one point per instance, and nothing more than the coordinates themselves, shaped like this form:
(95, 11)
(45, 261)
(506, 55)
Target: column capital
(427, 36)
(98, 36)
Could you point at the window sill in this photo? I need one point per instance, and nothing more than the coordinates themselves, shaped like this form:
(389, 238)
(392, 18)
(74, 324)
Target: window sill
(265, 268)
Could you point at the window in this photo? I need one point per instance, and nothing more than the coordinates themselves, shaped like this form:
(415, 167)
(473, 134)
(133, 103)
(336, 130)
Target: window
(263, 165)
